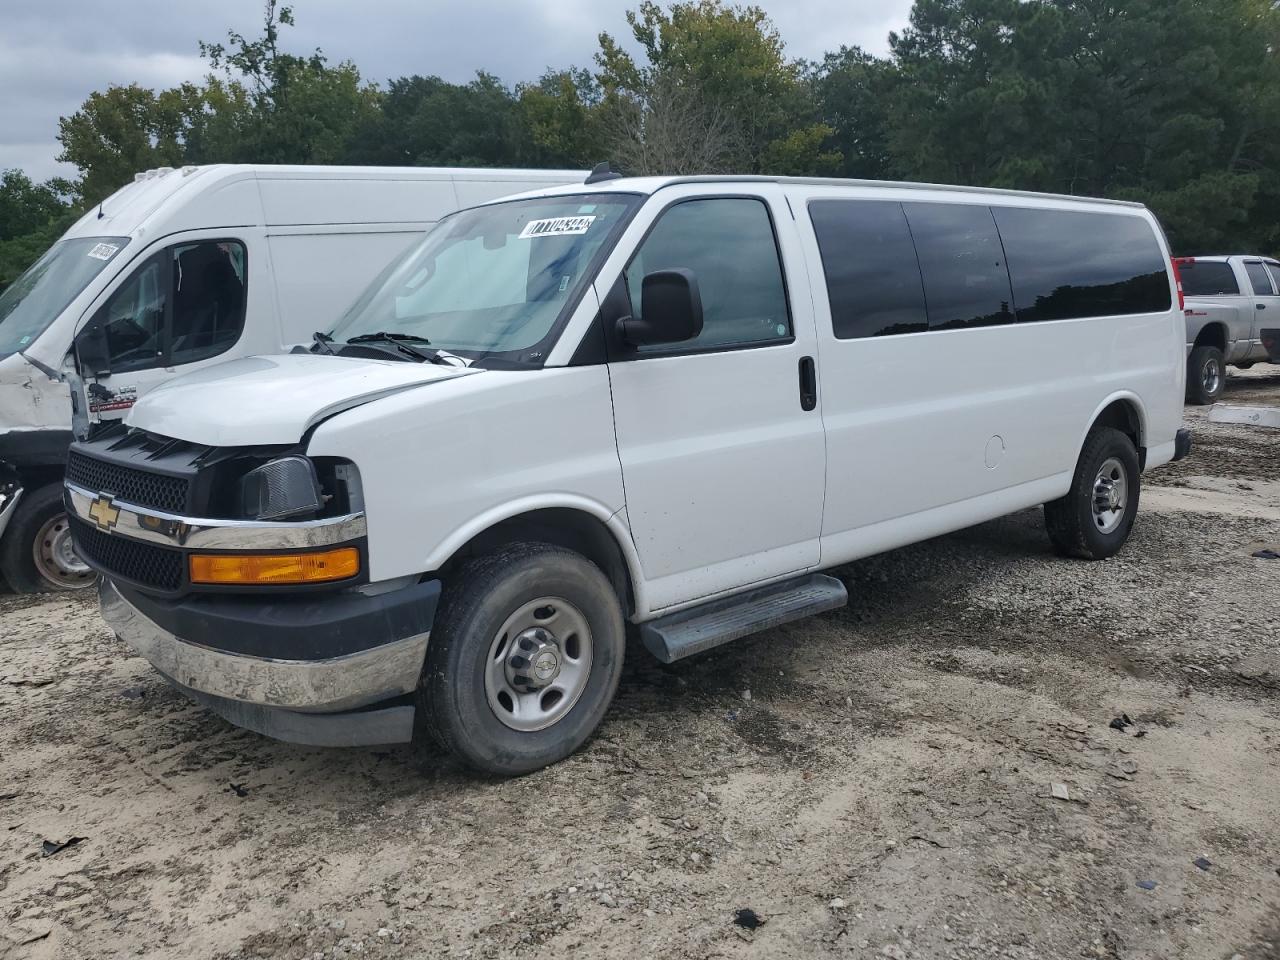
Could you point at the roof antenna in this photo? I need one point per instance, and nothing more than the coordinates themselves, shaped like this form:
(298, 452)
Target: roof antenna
(602, 172)
(100, 203)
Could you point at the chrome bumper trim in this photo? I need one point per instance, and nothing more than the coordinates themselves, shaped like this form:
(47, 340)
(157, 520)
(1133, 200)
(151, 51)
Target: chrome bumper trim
(320, 686)
(171, 530)
(8, 504)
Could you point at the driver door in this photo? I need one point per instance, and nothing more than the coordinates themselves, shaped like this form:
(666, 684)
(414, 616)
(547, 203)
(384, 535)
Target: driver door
(179, 306)
(720, 438)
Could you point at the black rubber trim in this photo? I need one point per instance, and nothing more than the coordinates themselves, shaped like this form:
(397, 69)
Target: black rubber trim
(308, 627)
(1181, 443)
(35, 448)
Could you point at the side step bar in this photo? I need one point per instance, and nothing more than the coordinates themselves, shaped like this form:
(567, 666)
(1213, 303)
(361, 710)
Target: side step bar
(691, 631)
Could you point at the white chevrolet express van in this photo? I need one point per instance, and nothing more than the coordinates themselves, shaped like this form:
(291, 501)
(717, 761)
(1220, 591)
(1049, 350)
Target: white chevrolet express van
(662, 402)
(179, 270)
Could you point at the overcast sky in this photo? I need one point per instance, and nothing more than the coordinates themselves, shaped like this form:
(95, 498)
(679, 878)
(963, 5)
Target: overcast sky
(54, 53)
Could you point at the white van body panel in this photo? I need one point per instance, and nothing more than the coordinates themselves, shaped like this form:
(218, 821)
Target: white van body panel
(441, 464)
(272, 399)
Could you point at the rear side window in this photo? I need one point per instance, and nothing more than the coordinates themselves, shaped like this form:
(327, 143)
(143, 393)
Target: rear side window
(1259, 277)
(873, 279)
(1274, 270)
(1207, 278)
(1066, 263)
(966, 283)
(729, 245)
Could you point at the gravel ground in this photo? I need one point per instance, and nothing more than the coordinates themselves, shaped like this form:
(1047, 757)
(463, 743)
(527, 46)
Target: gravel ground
(929, 772)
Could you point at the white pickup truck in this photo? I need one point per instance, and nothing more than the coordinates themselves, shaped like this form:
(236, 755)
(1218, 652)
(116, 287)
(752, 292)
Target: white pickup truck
(1229, 300)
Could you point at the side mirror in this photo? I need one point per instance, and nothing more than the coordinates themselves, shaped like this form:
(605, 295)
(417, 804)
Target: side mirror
(670, 309)
(92, 350)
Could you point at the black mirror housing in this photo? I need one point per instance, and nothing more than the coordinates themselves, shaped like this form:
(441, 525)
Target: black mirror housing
(670, 309)
(92, 351)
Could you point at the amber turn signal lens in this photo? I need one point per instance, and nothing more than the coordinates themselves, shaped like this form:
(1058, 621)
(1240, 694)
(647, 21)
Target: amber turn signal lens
(275, 568)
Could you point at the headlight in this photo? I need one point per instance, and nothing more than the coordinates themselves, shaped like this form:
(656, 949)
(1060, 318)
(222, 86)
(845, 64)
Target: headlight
(281, 490)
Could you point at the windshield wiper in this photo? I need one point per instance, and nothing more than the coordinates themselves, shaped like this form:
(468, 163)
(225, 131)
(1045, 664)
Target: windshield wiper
(401, 342)
(322, 340)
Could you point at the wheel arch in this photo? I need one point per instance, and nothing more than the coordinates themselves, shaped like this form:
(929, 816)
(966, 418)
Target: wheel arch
(1124, 411)
(1212, 334)
(579, 525)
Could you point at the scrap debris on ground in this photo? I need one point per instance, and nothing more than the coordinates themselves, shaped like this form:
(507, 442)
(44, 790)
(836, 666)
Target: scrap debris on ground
(933, 771)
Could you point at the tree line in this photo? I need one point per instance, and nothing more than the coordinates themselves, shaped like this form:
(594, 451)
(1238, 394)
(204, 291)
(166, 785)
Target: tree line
(1175, 103)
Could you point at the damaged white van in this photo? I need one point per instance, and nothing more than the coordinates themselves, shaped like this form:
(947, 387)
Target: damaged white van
(666, 402)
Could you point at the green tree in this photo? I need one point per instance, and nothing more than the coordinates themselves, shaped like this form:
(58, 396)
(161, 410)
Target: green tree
(730, 62)
(32, 215)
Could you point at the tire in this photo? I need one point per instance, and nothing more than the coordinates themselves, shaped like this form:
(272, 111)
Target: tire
(1074, 527)
(543, 597)
(35, 555)
(1206, 375)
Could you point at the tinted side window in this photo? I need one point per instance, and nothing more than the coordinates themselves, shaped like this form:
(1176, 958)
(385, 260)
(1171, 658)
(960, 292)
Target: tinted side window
(873, 278)
(1207, 278)
(966, 283)
(1066, 263)
(1259, 277)
(1274, 270)
(729, 245)
(208, 299)
(134, 318)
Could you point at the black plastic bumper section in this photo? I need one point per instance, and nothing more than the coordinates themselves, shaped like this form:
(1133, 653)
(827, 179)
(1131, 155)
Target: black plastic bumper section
(307, 627)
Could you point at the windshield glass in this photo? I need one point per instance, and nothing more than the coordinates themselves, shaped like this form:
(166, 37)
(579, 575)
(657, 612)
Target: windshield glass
(31, 302)
(492, 281)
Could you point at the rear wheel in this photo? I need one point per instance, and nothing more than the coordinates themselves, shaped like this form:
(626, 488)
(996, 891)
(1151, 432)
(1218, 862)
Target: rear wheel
(37, 554)
(524, 658)
(1206, 375)
(1094, 519)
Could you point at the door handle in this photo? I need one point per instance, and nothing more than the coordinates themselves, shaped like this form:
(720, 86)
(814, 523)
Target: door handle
(1261, 306)
(808, 384)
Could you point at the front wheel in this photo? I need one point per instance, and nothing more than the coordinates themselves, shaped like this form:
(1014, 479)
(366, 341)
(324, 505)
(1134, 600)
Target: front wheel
(37, 554)
(1206, 375)
(1094, 519)
(524, 658)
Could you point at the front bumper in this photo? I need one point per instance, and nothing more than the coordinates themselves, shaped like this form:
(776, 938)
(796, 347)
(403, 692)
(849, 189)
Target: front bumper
(335, 670)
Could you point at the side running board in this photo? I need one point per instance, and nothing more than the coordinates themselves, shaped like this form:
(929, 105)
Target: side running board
(691, 631)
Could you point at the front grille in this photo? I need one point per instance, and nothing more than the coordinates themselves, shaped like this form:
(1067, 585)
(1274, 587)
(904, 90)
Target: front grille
(143, 563)
(138, 487)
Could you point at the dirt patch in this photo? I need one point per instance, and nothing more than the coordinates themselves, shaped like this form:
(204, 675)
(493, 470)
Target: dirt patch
(929, 772)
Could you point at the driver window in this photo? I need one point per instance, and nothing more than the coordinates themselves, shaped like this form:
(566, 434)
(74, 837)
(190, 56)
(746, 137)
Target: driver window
(134, 319)
(198, 287)
(208, 299)
(729, 245)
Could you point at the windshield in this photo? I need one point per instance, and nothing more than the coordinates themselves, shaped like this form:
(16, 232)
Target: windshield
(492, 281)
(32, 301)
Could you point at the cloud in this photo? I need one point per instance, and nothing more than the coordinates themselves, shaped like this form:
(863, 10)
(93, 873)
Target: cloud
(53, 55)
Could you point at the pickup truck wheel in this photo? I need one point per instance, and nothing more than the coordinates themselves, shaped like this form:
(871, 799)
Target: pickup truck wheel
(37, 554)
(1206, 375)
(524, 658)
(1094, 519)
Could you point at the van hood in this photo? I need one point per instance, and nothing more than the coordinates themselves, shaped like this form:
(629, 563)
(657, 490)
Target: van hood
(269, 400)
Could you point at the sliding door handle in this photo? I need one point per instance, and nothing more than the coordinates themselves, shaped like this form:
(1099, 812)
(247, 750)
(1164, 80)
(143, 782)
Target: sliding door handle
(808, 384)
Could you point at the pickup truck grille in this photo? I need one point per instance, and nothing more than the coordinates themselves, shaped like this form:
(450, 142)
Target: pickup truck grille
(138, 487)
(145, 564)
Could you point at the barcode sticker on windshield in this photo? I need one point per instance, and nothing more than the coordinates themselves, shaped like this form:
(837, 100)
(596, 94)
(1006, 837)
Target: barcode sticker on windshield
(103, 251)
(556, 227)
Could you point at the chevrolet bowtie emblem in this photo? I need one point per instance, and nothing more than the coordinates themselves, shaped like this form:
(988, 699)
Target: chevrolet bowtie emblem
(104, 513)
